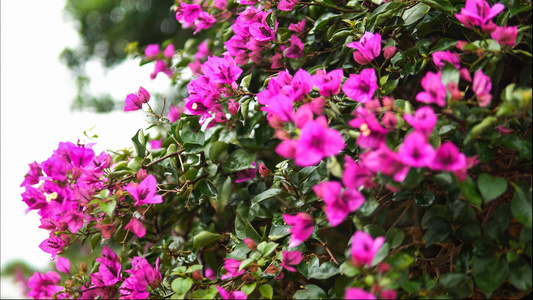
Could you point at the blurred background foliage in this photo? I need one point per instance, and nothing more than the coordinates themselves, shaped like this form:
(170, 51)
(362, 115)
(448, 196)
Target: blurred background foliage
(106, 28)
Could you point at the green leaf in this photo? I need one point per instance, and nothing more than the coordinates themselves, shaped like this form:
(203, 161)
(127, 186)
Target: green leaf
(412, 287)
(139, 142)
(395, 237)
(425, 199)
(218, 151)
(322, 21)
(490, 187)
(520, 274)
(415, 13)
(521, 206)
(267, 248)
(381, 254)
(266, 195)
(310, 291)
(207, 188)
(452, 279)
(205, 238)
(245, 263)
(181, 285)
(480, 128)
(438, 231)
(444, 5)
(245, 82)
(266, 290)
(348, 269)
(238, 160)
(449, 74)
(190, 137)
(108, 207)
(223, 195)
(489, 273)
(469, 190)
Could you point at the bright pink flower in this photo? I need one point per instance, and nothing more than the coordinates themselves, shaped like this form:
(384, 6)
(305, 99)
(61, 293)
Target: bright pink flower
(364, 248)
(479, 13)
(169, 51)
(389, 120)
(291, 258)
(145, 274)
(160, 66)
(415, 151)
(357, 293)
(54, 245)
(151, 50)
(246, 174)
(156, 144)
(132, 289)
(295, 49)
(505, 130)
(328, 83)
(136, 227)
(188, 13)
(109, 269)
(298, 27)
(34, 174)
(221, 70)
(301, 227)
(440, 57)
(233, 107)
(338, 206)
(232, 268)
(204, 21)
(262, 32)
(367, 48)
(361, 87)
(135, 101)
(465, 74)
(144, 192)
(385, 161)
(316, 142)
(231, 294)
(63, 264)
(39, 283)
(505, 35)
(287, 5)
(317, 105)
(389, 52)
(434, 90)
(280, 106)
(355, 175)
(174, 113)
(303, 115)
(470, 162)
(74, 220)
(210, 274)
(448, 158)
(287, 148)
(277, 60)
(372, 133)
(481, 87)
(423, 121)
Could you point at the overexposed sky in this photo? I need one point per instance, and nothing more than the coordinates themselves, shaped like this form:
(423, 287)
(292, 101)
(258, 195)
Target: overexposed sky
(36, 93)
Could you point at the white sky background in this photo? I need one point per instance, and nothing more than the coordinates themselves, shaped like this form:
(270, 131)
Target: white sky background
(36, 93)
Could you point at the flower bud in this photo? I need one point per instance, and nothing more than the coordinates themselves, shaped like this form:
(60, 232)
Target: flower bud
(250, 243)
(233, 107)
(461, 44)
(263, 170)
(83, 267)
(389, 52)
(253, 267)
(247, 278)
(454, 90)
(196, 275)
(383, 267)
(272, 269)
(141, 175)
(505, 130)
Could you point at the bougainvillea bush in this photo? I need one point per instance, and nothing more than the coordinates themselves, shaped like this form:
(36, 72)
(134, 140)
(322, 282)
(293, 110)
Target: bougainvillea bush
(318, 149)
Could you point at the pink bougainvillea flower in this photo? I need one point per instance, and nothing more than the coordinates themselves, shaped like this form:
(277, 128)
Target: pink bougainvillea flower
(470, 162)
(151, 50)
(160, 67)
(174, 113)
(423, 121)
(287, 5)
(385, 161)
(204, 21)
(109, 269)
(169, 51)
(144, 192)
(479, 13)
(145, 274)
(316, 142)
(440, 57)
(505, 35)
(338, 205)
(295, 49)
(481, 87)
(287, 148)
(290, 259)
(232, 268)
(367, 48)
(389, 120)
(156, 144)
(231, 294)
(136, 227)
(361, 87)
(448, 158)
(221, 69)
(415, 151)
(132, 289)
(210, 274)
(63, 264)
(74, 220)
(364, 248)
(281, 106)
(34, 174)
(372, 133)
(262, 32)
(301, 227)
(135, 101)
(246, 174)
(388, 294)
(39, 283)
(357, 293)
(303, 115)
(355, 175)
(250, 243)
(434, 89)
(233, 107)
(53, 245)
(277, 60)
(298, 27)
(188, 13)
(328, 83)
